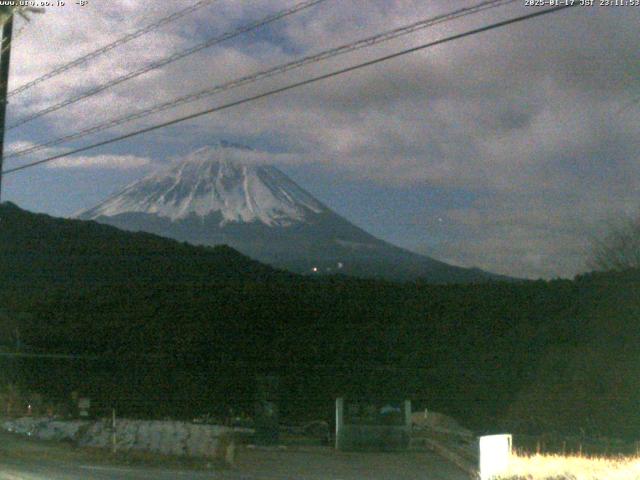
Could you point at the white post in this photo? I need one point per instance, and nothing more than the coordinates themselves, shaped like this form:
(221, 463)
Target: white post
(407, 414)
(339, 420)
(113, 430)
(495, 451)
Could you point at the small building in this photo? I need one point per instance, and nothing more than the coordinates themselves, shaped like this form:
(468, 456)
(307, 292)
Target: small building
(373, 425)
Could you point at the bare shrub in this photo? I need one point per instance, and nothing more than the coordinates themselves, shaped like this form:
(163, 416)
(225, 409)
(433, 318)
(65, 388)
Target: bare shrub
(619, 248)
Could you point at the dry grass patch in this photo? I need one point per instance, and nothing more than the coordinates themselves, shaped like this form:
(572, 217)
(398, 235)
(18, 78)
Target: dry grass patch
(559, 467)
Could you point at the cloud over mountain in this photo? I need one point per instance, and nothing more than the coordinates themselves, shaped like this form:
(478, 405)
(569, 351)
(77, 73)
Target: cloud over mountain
(537, 120)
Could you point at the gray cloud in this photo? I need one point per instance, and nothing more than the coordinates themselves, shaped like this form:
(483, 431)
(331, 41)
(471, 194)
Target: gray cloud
(538, 119)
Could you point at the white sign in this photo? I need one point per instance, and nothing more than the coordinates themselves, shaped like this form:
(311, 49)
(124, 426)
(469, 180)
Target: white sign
(495, 451)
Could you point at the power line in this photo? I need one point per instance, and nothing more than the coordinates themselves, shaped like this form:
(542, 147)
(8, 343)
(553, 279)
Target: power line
(297, 84)
(48, 355)
(121, 41)
(22, 12)
(277, 70)
(5, 46)
(172, 356)
(167, 60)
(15, 36)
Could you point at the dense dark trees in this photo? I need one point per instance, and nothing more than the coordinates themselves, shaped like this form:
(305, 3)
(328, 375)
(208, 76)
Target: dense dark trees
(180, 330)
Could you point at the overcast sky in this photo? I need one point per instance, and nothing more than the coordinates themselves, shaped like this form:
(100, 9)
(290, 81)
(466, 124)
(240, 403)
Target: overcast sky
(508, 150)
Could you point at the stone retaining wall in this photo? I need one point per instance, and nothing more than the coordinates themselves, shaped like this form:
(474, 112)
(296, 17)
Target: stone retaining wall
(165, 437)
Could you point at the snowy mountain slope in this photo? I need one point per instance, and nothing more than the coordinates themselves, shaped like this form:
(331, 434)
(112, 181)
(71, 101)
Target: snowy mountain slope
(209, 181)
(213, 198)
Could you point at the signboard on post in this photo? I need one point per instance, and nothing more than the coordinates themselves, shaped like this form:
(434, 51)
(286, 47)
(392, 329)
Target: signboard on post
(378, 425)
(84, 404)
(267, 413)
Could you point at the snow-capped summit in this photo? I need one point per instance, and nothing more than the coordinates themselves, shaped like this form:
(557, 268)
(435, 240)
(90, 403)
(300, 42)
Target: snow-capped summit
(214, 180)
(221, 195)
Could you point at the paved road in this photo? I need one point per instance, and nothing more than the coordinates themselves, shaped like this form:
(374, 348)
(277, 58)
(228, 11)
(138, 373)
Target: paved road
(41, 470)
(28, 460)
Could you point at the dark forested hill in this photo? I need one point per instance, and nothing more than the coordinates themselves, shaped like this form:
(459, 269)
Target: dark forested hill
(177, 330)
(39, 250)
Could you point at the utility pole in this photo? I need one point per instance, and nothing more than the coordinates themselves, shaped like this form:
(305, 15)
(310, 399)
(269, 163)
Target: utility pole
(6, 17)
(5, 56)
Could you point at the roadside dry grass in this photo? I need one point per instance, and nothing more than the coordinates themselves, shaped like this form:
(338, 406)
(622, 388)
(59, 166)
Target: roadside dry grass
(559, 467)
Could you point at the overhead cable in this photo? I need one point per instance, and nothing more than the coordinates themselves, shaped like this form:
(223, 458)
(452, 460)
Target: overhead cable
(167, 60)
(297, 85)
(271, 72)
(121, 41)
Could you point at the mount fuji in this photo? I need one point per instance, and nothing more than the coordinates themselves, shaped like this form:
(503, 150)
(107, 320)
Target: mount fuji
(215, 197)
